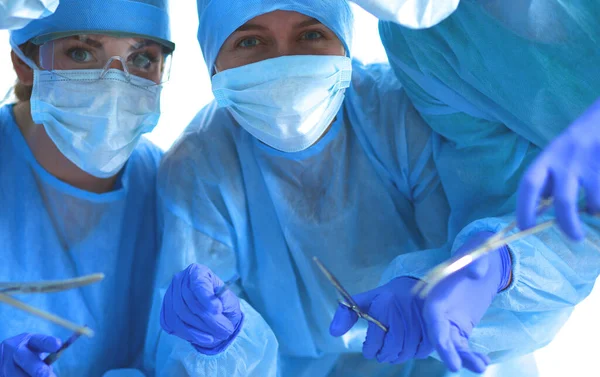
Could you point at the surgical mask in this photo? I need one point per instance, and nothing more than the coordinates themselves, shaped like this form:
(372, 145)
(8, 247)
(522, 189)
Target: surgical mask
(96, 124)
(414, 14)
(15, 14)
(288, 102)
(95, 117)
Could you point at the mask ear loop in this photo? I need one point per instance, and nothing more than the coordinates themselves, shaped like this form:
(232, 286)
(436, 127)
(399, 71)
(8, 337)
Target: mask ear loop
(11, 91)
(22, 56)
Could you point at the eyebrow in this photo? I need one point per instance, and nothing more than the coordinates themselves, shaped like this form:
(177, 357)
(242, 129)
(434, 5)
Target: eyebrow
(96, 44)
(249, 27)
(303, 24)
(311, 22)
(89, 41)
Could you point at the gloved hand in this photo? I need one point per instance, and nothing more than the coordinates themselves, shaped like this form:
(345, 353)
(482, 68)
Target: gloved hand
(20, 355)
(192, 312)
(570, 161)
(457, 304)
(394, 306)
(442, 322)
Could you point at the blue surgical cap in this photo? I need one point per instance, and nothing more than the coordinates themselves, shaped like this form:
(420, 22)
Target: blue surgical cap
(220, 18)
(138, 18)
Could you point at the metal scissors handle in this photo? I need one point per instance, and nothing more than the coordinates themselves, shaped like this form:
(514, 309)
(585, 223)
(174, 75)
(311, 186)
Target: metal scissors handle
(443, 270)
(349, 301)
(48, 287)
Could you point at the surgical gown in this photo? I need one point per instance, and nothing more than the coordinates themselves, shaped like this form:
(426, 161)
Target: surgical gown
(496, 82)
(50, 230)
(365, 193)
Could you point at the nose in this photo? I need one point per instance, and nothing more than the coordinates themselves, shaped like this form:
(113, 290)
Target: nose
(116, 62)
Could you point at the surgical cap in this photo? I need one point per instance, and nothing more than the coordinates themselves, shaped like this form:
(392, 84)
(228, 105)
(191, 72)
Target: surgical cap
(138, 18)
(220, 18)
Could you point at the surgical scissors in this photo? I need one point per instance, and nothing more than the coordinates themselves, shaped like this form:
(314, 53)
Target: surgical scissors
(443, 270)
(7, 289)
(349, 303)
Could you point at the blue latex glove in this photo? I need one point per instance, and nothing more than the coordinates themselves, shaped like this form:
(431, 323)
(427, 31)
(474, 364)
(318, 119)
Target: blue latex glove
(394, 306)
(20, 355)
(457, 304)
(571, 161)
(442, 322)
(192, 312)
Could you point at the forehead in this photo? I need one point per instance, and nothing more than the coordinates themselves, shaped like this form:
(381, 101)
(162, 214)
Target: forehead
(279, 19)
(104, 41)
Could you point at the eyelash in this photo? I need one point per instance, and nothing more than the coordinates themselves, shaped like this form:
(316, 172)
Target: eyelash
(322, 35)
(154, 58)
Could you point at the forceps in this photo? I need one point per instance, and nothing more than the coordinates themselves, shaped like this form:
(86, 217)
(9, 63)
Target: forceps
(7, 289)
(500, 239)
(349, 301)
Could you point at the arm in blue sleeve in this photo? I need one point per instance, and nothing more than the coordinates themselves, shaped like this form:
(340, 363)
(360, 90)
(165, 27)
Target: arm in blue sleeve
(550, 275)
(195, 230)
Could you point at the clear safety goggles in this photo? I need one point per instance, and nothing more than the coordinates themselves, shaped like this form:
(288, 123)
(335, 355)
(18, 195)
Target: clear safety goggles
(97, 54)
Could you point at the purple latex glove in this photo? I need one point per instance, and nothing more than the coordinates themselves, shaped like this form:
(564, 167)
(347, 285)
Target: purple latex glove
(457, 304)
(193, 312)
(571, 161)
(20, 355)
(396, 307)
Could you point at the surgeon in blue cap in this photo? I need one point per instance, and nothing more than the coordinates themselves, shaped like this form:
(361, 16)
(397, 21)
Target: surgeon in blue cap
(78, 182)
(500, 81)
(305, 153)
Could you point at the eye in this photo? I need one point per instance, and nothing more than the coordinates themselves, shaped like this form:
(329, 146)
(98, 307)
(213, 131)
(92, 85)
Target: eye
(249, 43)
(80, 55)
(142, 60)
(312, 35)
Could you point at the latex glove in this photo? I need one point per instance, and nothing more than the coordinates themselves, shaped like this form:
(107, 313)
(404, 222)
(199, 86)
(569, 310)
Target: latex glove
(571, 161)
(457, 304)
(20, 355)
(399, 310)
(192, 312)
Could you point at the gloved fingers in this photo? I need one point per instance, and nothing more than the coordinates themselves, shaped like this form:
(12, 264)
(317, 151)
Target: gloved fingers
(343, 320)
(171, 321)
(566, 193)
(424, 346)
(396, 347)
(347, 318)
(531, 189)
(438, 329)
(591, 185)
(473, 361)
(38, 343)
(31, 363)
(197, 336)
(203, 283)
(231, 307)
(381, 307)
(196, 315)
(374, 341)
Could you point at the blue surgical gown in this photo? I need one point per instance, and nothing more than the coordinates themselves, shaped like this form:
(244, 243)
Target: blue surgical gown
(51, 230)
(367, 192)
(496, 82)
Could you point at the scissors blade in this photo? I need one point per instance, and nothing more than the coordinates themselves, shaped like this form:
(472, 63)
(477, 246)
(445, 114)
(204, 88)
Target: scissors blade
(336, 283)
(51, 358)
(50, 286)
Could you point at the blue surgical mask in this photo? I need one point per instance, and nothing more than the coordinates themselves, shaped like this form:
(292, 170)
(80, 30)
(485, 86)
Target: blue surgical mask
(288, 102)
(94, 117)
(95, 123)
